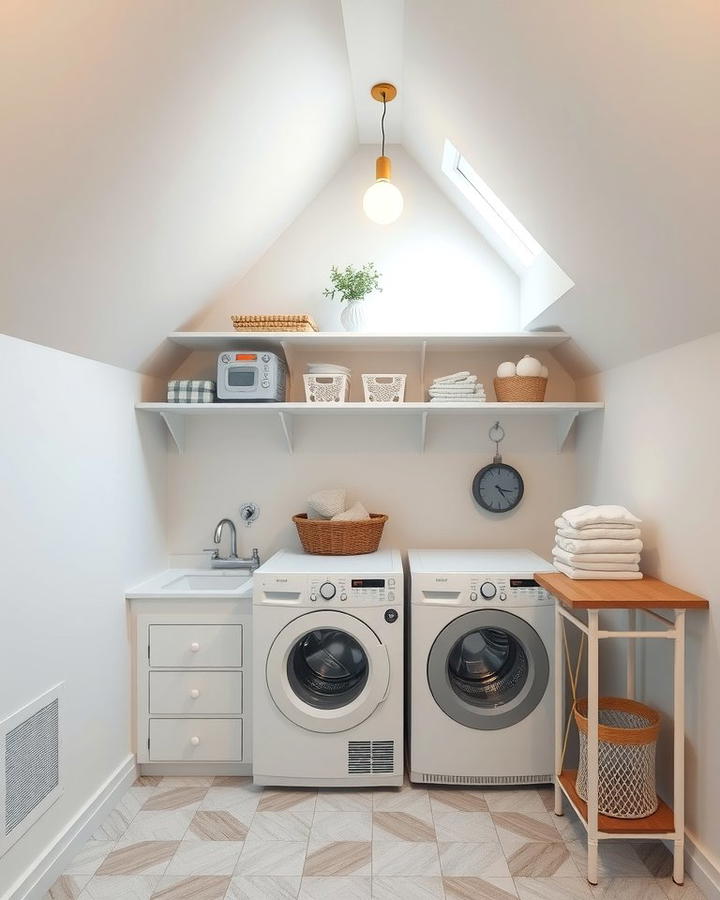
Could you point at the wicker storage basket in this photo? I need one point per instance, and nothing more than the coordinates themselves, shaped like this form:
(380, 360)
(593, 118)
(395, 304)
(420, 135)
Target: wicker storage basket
(520, 389)
(274, 323)
(328, 538)
(627, 737)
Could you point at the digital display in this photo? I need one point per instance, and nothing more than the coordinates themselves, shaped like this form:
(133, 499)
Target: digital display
(523, 582)
(368, 582)
(241, 376)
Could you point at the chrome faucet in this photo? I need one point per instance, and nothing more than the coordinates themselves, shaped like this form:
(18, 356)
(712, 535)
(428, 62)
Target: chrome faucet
(232, 560)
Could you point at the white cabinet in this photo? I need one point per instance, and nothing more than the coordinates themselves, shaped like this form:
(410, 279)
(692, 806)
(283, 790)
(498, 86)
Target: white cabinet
(192, 678)
(196, 646)
(196, 740)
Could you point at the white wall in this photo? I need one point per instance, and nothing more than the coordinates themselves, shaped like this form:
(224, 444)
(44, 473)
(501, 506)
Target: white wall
(82, 493)
(655, 450)
(438, 272)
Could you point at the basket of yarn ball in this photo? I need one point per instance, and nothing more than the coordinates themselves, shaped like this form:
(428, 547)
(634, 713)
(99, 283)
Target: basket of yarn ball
(522, 383)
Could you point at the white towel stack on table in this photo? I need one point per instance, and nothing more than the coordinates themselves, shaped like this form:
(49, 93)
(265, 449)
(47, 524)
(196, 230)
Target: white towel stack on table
(598, 542)
(462, 387)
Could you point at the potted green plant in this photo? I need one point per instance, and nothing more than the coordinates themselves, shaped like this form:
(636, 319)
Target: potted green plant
(351, 286)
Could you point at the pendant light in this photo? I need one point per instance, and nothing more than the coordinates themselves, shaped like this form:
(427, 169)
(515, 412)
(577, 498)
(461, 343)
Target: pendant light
(382, 201)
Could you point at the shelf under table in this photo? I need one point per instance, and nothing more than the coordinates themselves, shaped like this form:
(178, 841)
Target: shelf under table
(660, 822)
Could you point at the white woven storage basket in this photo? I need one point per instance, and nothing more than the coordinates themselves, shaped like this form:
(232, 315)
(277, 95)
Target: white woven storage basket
(384, 388)
(627, 737)
(326, 388)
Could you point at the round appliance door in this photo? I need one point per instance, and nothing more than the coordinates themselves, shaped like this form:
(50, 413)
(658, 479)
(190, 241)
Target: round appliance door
(327, 671)
(488, 669)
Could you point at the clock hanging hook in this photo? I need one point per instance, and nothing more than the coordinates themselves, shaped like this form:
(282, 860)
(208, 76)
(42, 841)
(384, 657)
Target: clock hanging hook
(496, 435)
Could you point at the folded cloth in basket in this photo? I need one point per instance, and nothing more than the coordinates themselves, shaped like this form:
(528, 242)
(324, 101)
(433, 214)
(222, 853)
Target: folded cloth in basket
(579, 562)
(571, 559)
(584, 516)
(356, 513)
(599, 533)
(585, 575)
(604, 546)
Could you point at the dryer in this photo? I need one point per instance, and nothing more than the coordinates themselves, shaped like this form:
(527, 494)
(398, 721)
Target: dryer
(328, 667)
(481, 648)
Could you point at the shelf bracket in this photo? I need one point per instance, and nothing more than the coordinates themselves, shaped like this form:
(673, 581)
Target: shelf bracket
(176, 426)
(287, 427)
(563, 424)
(423, 430)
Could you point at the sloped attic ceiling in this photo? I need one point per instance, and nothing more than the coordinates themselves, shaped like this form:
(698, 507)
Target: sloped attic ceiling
(598, 124)
(150, 152)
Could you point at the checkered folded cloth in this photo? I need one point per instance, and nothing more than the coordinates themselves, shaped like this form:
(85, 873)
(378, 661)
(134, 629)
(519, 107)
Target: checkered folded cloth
(191, 391)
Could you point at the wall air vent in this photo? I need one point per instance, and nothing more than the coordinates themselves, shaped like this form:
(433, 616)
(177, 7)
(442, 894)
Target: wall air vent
(371, 757)
(29, 765)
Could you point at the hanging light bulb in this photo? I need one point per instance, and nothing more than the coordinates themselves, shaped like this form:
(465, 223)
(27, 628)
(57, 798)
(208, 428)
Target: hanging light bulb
(382, 201)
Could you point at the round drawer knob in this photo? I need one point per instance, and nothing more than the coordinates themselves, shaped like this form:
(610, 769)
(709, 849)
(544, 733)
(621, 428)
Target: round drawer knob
(194, 646)
(195, 741)
(194, 693)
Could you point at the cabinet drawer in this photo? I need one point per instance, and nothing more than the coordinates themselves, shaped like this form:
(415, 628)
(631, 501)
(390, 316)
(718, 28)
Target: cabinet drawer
(196, 646)
(196, 693)
(208, 740)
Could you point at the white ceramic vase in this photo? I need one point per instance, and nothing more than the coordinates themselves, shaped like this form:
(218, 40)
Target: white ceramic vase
(353, 315)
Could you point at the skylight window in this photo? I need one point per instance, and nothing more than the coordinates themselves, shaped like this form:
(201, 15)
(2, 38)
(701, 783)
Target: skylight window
(493, 218)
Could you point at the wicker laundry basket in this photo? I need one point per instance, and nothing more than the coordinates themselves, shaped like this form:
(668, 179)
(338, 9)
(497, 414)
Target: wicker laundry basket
(520, 389)
(627, 737)
(328, 538)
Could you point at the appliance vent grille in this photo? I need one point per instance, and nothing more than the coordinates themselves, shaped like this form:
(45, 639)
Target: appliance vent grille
(371, 757)
(30, 765)
(486, 779)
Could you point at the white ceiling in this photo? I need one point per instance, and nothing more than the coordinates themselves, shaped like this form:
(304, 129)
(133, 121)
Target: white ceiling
(151, 152)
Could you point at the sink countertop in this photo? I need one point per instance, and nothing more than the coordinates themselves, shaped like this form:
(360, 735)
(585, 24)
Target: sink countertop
(159, 587)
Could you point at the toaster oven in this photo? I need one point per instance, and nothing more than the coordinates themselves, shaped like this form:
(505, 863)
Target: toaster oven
(251, 376)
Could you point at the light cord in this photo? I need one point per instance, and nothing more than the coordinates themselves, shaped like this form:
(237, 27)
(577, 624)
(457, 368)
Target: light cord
(382, 122)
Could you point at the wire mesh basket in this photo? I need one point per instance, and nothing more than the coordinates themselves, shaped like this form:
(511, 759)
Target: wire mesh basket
(329, 388)
(384, 388)
(627, 738)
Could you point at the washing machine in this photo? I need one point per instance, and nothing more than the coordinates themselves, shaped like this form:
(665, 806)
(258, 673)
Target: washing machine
(328, 670)
(480, 662)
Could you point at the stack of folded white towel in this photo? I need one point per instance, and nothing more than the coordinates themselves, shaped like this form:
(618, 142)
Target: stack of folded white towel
(462, 387)
(598, 542)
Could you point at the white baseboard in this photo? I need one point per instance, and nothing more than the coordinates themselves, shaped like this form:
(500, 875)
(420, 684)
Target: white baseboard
(702, 868)
(50, 863)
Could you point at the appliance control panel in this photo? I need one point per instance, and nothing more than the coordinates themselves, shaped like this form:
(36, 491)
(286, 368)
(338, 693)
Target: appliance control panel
(329, 590)
(479, 590)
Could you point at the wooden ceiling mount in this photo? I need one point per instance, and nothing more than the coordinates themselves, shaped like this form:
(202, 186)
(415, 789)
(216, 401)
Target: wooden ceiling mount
(377, 90)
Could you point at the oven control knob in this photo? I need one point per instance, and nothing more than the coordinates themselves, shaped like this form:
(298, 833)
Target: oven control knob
(473, 595)
(488, 590)
(225, 357)
(327, 590)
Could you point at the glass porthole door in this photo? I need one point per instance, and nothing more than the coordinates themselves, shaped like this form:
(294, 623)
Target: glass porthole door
(327, 671)
(488, 669)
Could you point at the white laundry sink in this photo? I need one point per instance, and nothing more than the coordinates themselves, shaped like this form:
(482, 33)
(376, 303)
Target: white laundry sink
(208, 583)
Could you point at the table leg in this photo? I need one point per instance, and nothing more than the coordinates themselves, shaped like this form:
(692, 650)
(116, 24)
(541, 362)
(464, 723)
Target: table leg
(592, 750)
(631, 651)
(679, 748)
(559, 707)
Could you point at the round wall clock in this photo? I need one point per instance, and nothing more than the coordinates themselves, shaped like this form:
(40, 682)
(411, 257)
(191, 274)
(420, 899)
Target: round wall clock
(497, 487)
